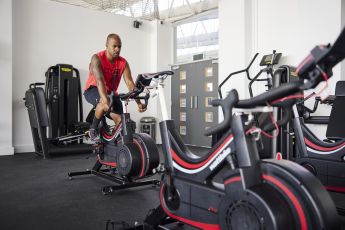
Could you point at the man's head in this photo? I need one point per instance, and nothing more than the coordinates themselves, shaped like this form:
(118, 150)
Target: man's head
(113, 45)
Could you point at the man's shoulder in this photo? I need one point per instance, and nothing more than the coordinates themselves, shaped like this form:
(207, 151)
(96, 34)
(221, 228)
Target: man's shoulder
(100, 53)
(122, 59)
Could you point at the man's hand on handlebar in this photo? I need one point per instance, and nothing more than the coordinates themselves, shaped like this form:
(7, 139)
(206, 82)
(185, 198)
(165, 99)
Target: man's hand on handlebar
(141, 107)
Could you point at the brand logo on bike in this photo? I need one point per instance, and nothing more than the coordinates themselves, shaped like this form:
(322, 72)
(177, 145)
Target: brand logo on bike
(220, 158)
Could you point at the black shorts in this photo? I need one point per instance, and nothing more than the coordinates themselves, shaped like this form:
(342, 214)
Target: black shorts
(92, 96)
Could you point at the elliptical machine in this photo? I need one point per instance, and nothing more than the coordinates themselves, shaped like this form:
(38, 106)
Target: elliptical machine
(254, 193)
(268, 62)
(123, 156)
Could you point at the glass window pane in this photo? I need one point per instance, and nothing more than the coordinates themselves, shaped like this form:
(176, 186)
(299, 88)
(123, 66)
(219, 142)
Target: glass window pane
(199, 37)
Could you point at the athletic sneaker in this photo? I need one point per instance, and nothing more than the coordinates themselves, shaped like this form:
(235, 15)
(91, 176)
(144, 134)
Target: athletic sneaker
(94, 135)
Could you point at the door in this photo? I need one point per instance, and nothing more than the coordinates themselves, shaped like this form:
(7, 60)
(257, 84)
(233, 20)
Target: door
(193, 87)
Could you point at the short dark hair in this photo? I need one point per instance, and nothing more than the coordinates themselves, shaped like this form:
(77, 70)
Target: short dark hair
(114, 36)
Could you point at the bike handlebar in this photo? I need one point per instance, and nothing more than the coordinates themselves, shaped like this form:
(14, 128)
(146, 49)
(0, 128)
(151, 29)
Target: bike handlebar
(227, 104)
(271, 95)
(131, 94)
(321, 61)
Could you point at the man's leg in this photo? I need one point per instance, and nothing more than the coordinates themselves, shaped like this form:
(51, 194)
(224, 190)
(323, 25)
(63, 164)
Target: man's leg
(92, 96)
(116, 118)
(116, 111)
(99, 112)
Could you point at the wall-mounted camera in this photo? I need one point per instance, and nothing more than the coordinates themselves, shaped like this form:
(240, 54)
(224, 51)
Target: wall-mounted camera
(137, 24)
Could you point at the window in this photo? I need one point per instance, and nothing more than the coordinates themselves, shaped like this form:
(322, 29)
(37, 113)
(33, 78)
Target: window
(195, 38)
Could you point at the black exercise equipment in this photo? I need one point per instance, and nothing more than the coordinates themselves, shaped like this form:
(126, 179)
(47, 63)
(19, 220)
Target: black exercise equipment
(336, 124)
(246, 70)
(296, 142)
(127, 157)
(307, 112)
(254, 193)
(268, 62)
(325, 159)
(62, 100)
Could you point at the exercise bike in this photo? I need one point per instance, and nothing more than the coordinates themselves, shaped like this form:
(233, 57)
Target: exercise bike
(254, 193)
(123, 156)
(324, 158)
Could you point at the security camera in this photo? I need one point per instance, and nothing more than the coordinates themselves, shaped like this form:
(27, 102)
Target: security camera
(136, 24)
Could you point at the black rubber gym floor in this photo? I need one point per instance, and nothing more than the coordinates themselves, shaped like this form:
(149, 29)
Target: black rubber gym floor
(36, 194)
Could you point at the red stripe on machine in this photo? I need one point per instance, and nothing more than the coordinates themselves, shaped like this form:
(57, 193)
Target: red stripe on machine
(197, 165)
(142, 158)
(335, 189)
(321, 148)
(194, 223)
(232, 180)
(292, 197)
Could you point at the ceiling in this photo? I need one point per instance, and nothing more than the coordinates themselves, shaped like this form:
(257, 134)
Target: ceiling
(165, 10)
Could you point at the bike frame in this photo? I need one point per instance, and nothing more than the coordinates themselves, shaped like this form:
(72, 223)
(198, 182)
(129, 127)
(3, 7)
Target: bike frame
(200, 174)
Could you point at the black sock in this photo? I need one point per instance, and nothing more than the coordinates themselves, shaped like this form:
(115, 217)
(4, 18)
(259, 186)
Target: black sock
(95, 123)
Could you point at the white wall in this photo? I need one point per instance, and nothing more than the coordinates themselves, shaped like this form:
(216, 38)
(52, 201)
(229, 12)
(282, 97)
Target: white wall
(6, 77)
(292, 27)
(297, 28)
(46, 33)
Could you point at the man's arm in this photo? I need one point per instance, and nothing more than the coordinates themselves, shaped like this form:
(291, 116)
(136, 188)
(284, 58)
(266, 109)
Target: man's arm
(96, 68)
(127, 75)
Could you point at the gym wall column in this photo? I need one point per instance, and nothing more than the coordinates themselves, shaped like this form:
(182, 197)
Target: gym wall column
(6, 147)
(161, 57)
(235, 43)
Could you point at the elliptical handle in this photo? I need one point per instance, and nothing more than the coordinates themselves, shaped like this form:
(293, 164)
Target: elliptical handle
(227, 104)
(250, 64)
(236, 72)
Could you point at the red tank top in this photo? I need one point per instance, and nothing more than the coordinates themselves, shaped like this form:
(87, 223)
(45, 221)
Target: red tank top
(112, 72)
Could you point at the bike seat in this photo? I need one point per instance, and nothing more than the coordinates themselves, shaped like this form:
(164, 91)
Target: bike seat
(155, 75)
